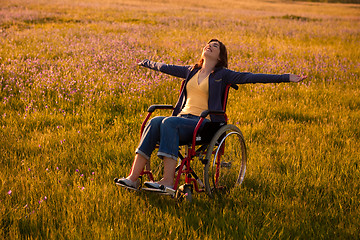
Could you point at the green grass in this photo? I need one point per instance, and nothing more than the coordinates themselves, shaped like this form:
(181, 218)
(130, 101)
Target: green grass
(72, 101)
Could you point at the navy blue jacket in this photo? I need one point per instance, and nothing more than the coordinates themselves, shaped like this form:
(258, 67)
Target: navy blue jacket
(218, 80)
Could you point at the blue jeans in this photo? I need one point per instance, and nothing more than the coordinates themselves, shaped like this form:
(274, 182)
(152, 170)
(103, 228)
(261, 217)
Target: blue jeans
(169, 132)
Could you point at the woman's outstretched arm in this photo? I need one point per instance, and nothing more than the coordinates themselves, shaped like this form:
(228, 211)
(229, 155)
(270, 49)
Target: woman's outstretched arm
(234, 77)
(173, 70)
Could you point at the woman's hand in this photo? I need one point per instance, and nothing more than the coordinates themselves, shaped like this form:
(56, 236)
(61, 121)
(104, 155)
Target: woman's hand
(296, 78)
(142, 63)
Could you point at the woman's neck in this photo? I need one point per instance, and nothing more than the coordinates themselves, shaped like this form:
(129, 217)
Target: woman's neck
(208, 66)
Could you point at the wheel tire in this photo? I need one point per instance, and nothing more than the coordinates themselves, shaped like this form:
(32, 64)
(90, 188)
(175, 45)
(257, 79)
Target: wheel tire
(225, 170)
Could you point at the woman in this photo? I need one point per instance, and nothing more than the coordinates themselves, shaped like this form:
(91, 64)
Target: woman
(205, 85)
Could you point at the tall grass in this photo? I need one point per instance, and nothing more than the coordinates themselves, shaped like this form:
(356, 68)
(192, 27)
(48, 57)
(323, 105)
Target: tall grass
(72, 101)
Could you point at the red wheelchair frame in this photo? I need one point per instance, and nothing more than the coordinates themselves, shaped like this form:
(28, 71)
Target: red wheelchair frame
(191, 179)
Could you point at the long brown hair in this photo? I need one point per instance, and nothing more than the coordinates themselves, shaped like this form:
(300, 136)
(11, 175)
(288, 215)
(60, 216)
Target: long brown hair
(223, 62)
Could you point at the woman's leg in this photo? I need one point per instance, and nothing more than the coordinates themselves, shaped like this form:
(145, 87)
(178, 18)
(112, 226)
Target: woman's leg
(173, 131)
(137, 167)
(149, 138)
(169, 172)
(169, 131)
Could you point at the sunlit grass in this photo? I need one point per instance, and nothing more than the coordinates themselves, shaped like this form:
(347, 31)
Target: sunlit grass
(72, 100)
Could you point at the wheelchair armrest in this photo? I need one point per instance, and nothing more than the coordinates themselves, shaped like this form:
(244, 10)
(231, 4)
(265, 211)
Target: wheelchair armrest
(152, 108)
(205, 113)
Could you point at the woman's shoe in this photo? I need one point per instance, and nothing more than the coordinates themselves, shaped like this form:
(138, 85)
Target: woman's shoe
(124, 182)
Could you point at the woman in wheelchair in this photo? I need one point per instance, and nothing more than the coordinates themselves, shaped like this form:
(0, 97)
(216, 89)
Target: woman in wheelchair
(204, 88)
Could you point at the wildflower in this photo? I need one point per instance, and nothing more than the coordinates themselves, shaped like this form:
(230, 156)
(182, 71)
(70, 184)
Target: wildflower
(77, 170)
(9, 192)
(29, 169)
(93, 173)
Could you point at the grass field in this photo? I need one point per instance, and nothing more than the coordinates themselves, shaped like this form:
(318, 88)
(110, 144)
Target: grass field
(72, 101)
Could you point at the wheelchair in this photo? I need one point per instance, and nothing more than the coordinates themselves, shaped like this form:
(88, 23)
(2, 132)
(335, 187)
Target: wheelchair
(214, 160)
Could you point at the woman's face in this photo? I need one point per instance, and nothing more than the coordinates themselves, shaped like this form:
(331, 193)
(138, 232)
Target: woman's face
(212, 50)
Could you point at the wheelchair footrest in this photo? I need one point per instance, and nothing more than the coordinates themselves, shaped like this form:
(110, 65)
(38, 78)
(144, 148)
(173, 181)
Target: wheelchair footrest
(167, 191)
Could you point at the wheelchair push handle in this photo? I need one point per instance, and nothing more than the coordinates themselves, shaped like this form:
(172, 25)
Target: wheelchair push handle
(234, 86)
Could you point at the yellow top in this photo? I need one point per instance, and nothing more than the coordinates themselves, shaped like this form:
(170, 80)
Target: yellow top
(197, 96)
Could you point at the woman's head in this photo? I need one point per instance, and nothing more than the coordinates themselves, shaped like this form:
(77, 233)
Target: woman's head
(214, 49)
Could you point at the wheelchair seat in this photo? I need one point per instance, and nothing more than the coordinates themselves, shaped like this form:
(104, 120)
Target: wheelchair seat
(206, 133)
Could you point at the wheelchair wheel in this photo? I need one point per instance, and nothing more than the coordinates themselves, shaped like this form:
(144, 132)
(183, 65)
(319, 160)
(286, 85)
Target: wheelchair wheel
(226, 160)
